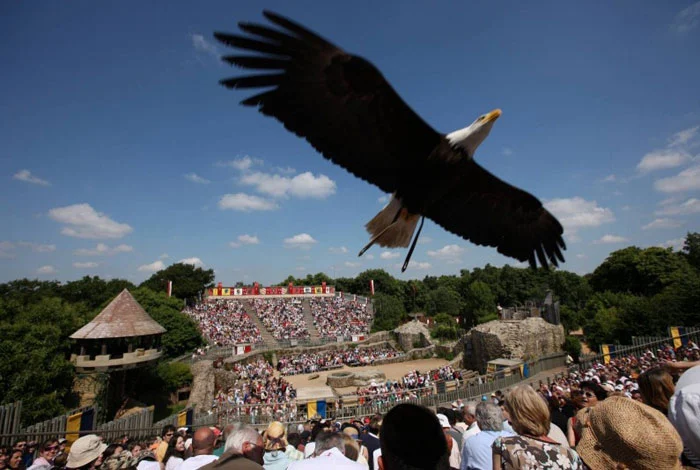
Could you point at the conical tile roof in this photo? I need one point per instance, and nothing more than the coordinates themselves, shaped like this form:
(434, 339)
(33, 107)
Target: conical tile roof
(122, 318)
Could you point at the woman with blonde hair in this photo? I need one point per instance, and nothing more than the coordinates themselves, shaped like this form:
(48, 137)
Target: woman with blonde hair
(528, 413)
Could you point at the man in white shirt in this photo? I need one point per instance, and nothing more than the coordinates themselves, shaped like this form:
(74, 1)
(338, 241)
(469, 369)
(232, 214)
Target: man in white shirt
(470, 421)
(330, 453)
(202, 450)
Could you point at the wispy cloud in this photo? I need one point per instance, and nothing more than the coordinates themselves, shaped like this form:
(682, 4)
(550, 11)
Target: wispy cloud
(663, 159)
(338, 250)
(7, 249)
(164, 256)
(245, 239)
(691, 206)
(27, 177)
(424, 240)
(383, 199)
(48, 269)
(662, 224)
(416, 265)
(153, 267)
(610, 239)
(684, 136)
(686, 180)
(38, 247)
(103, 250)
(507, 151)
(241, 164)
(687, 19)
(304, 185)
(195, 178)
(450, 254)
(676, 244)
(86, 265)
(352, 264)
(609, 179)
(202, 45)
(302, 241)
(389, 255)
(246, 203)
(82, 221)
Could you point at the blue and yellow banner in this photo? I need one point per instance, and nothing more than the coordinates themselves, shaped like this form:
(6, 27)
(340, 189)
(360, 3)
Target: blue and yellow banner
(314, 408)
(184, 418)
(608, 351)
(677, 333)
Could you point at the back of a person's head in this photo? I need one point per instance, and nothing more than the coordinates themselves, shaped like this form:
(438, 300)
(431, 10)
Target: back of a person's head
(656, 387)
(203, 441)
(413, 439)
(527, 411)
(235, 441)
(375, 423)
(489, 416)
(328, 440)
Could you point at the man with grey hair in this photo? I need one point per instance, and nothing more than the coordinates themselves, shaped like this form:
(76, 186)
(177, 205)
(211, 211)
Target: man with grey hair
(470, 421)
(243, 451)
(329, 453)
(477, 453)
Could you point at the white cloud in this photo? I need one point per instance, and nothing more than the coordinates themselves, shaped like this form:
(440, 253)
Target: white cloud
(683, 137)
(338, 250)
(288, 170)
(609, 179)
(26, 176)
(201, 44)
(195, 178)
(383, 199)
(300, 268)
(663, 159)
(82, 221)
(89, 264)
(153, 267)
(687, 19)
(686, 180)
(242, 164)
(368, 256)
(507, 151)
(352, 264)
(246, 203)
(676, 244)
(605, 239)
(304, 185)
(389, 255)
(164, 256)
(193, 261)
(424, 240)
(7, 249)
(421, 265)
(48, 269)
(691, 206)
(447, 253)
(37, 247)
(662, 224)
(581, 256)
(103, 250)
(576, 213)
(626, 208)
(303, 241)
(245, 239)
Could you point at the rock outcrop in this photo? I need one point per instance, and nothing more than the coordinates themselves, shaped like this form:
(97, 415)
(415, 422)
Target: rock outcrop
(524, 339)
(412, 335)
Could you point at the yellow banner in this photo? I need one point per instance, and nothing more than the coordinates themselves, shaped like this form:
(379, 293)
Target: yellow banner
(72, 428)
(676, 335)
(226, 291)
(182, 419)
(606, 353)
(311, 409)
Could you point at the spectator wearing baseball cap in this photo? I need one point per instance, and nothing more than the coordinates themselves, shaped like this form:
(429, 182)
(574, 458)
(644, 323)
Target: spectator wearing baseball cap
(86, 453)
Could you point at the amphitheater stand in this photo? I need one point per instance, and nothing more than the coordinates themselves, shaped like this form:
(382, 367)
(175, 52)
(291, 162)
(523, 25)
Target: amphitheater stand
(267, 337)
(309, 319)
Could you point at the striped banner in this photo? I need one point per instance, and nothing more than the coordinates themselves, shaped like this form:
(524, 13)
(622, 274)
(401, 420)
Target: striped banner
(676, 333)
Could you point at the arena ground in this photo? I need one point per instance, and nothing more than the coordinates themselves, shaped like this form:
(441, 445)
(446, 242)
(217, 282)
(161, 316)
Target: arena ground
(392, 371)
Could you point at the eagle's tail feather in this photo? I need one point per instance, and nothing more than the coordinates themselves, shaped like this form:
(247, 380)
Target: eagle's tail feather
(392, 227)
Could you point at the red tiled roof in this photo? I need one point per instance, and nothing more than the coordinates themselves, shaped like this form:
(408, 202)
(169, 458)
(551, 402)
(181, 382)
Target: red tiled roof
(123, 317)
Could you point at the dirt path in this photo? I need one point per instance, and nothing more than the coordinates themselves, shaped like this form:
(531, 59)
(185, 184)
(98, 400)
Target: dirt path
(392, 371)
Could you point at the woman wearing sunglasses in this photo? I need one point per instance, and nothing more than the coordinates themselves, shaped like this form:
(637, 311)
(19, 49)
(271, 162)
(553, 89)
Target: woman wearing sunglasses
(47, 452)
(587, 397)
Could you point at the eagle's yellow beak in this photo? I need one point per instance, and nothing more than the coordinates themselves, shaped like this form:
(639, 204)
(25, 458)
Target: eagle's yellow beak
(493, 115)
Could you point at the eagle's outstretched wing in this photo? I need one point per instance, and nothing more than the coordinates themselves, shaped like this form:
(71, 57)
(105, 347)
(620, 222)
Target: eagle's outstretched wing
(488, 211)
(340, 103)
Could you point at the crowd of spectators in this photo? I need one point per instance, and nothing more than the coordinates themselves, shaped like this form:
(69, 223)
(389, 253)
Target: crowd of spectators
(414, 384)
(224, 322)
(323, 360)
(336, 317)
(284, 318)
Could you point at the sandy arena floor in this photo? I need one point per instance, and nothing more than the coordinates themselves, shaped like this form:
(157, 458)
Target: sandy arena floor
(392, 371)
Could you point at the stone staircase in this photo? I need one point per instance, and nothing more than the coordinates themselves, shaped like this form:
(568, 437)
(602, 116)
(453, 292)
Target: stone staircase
(309, 319)
(267, 337)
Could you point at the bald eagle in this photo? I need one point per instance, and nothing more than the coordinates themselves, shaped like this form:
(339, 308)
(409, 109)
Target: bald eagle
(343, 106)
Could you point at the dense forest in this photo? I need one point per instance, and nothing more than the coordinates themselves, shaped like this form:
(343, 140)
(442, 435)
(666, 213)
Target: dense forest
(633, 292)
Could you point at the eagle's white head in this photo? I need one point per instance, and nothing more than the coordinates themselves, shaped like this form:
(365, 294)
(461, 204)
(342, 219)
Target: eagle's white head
(471, 137)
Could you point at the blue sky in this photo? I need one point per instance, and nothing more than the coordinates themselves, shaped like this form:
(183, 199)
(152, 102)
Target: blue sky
(121, 154)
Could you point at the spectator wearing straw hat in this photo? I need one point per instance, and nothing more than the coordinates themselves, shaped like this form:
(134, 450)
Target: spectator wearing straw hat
(624, 433)
(86, 453)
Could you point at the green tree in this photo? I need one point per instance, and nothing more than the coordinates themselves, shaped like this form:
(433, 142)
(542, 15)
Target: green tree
(174, 375)
(572, 346)
(388, 312)
(444, 300)
(182, 335)
(384, 283)
(691, 249)
(480, 305)
(93, 291)
(188, 281)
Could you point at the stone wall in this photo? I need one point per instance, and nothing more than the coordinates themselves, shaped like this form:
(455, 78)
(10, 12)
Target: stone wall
(411, 334)
(524, 339)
